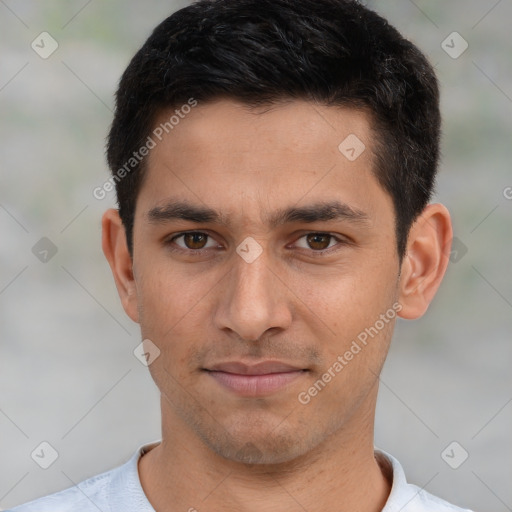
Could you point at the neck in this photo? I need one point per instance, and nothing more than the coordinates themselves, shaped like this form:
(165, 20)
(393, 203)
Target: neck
(341, 473)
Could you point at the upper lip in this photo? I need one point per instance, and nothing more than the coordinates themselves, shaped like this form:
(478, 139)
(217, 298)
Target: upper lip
(263, 368)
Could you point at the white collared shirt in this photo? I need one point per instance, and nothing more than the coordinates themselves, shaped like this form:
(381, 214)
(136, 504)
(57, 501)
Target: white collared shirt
(120, 490)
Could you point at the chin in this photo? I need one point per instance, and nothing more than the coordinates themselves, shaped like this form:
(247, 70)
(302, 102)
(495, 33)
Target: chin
(261, 446)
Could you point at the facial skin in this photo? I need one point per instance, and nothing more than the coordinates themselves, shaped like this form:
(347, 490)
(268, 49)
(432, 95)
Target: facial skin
(202, 304)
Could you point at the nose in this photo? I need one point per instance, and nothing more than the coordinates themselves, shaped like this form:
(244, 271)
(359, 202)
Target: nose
(255, 299)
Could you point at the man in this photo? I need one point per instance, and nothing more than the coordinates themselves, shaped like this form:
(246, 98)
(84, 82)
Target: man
(273, 162)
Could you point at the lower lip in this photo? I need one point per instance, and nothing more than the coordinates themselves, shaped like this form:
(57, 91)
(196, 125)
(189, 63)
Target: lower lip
(255, 385)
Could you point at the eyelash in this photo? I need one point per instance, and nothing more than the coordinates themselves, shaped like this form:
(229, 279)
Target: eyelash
(323, 252)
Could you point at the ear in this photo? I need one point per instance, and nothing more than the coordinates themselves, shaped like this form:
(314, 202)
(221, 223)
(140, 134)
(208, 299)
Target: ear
(116, 251)
(426, 260)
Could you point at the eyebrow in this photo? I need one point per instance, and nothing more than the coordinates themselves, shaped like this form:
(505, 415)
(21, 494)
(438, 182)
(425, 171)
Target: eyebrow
(316, 212)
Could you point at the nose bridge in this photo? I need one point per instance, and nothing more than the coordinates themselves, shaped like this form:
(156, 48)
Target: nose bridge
(251, 277)
(253, 301)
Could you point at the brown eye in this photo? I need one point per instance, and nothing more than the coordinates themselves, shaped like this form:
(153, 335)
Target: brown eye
(319, 241)
(191, 241)
(320, 244)
(195, 240)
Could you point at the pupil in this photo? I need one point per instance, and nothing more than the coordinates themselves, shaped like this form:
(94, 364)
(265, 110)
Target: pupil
(313, 239)
(192, 239)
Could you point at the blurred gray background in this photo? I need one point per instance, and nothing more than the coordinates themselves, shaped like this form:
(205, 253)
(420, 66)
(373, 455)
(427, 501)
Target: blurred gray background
(68, 375)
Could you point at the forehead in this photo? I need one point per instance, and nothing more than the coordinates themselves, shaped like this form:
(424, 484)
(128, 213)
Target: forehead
(238, 159)
(295, 126)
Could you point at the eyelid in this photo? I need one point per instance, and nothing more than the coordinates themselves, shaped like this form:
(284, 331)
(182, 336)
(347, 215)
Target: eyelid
(171, 239)
(341, 240)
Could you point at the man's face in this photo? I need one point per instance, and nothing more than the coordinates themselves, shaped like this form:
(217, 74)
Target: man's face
(244, 290)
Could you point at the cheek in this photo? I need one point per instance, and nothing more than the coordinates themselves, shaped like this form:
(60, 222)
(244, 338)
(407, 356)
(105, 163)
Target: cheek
(354, 342)
(172, 313)
(159, 309)
(357, 287)
(167, 296)
(349, 303)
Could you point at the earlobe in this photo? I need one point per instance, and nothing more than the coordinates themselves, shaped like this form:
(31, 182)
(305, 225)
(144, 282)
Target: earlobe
(118, 256)
(426, 260)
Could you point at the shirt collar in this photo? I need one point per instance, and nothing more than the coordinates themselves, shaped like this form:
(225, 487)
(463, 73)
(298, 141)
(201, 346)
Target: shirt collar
(126, 491)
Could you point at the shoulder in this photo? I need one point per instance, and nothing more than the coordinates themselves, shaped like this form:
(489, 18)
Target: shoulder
(423, 501)
(406, 497)
(89, 495)
(116, 490)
